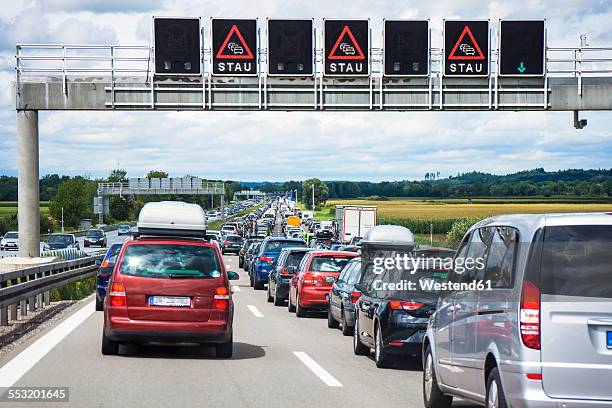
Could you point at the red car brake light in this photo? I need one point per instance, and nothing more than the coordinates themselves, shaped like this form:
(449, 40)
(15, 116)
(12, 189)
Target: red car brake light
(310, 279)
(105, 263)
(117, 295)
(283, 273)
(221, 298)
(530, 315)
(355, 297)
(407, 306)
(264, 258)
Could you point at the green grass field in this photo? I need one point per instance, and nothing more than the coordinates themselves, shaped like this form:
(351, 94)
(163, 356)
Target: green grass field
(10, 207)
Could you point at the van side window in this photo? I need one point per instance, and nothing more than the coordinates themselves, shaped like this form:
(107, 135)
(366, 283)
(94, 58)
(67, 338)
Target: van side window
(501, 258)
(455, 274)
(475, 259)
(346, 272)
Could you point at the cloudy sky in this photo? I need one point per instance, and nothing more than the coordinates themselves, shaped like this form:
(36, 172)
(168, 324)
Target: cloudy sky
(276, 146)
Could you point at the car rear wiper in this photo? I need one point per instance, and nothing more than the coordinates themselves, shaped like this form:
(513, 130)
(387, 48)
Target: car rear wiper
(185, 275)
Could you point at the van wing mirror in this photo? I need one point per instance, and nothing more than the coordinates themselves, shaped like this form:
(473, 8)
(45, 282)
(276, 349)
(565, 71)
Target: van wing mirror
(361, 287)
(233, 275)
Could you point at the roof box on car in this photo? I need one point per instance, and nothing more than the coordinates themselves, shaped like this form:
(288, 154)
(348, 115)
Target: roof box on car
(393, 235)
(172, 218)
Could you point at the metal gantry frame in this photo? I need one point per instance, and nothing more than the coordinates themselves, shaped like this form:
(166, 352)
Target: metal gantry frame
(132, 75)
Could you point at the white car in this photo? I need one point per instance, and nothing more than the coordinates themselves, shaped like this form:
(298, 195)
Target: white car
(10, 241)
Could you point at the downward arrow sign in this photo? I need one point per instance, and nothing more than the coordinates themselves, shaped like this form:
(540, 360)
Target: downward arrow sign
(521, 68)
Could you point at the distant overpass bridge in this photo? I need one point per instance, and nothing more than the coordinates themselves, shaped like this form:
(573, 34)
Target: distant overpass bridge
(248, 194)
(120, 78)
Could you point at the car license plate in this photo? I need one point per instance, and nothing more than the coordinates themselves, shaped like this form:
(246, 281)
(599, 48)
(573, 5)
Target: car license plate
(610, 339)
(175, 301)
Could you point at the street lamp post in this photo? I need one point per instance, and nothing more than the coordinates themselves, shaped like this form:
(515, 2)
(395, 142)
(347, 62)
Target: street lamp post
(313, 202)
(62, 219)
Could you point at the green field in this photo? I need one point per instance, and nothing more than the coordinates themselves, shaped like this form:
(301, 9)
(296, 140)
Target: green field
(10, 207)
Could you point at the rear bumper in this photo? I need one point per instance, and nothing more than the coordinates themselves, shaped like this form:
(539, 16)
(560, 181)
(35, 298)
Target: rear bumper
(411, 340)
(282, 290)
(311, 298)
(124, 329)
(522, 392)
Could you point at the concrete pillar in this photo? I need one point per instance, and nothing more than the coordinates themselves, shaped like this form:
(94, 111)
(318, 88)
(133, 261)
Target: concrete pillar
(23, 307)
(4, 316)
(14, 312)
(28, 203)
(47, 296)
(32, 303)
(223, 207)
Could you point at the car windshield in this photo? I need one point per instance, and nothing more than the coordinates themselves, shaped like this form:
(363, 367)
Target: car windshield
(94, 233)
(170, 261)
(329, 263)
(11, 235)
(576, 261)
(233, 238)
(276, 246)
(123, 226)
(60, 239)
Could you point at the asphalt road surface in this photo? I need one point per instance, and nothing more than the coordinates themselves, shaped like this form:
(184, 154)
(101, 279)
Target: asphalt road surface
(279, 361)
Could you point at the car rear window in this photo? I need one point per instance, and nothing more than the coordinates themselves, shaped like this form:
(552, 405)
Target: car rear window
(113, 252)
(329, 263)
(576, 261)
(233, 238)
(167, 261)
(294, 259)
(276, 246)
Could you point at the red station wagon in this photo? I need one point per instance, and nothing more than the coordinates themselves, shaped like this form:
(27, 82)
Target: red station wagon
(169, 285)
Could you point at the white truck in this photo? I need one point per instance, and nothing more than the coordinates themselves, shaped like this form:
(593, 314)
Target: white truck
(354, 220)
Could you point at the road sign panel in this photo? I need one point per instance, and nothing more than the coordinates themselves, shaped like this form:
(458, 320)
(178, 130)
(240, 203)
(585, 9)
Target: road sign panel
(347, 47)
(177, 46)
(234, 43)
(466, 48)
(522, 48)
(290, 47)
(406, 51)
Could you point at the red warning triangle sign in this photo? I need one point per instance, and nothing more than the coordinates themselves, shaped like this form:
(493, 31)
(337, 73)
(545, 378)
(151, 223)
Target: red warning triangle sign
(345, 50)
(467, 52)
(233, 49)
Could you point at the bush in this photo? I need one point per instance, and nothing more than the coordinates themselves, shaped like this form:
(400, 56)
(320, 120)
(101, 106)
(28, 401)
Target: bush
(9, 223)
(420, 226)
(376, 198)
(458, 230)
(74, 290)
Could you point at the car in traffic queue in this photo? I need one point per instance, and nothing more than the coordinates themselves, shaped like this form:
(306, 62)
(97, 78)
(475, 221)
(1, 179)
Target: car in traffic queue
(95, 237)
(61, 241)
(283, 269)
(250, 254)
(231, 244)
(245, 247)
(104, 272)
(169, 284)
(267, 254)
(540, 333)
(10, 241)
(310, 286)
(390, 316)
(123, 229)
(343, 296)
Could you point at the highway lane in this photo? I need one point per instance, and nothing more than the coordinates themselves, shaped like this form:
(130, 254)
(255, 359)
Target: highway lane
(279, 360)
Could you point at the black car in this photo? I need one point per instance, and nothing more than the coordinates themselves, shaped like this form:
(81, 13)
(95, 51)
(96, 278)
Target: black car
(393, 321)
(343, 297)
(245, 246)
(283, 268)
(103, 274)
(250, 253)
(60, 241)
(95, 237)
(231, 243)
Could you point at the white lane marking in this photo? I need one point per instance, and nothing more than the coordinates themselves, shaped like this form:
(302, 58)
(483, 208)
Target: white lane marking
(236, 288)
(319, 371)
(255, 311)
(12, 371)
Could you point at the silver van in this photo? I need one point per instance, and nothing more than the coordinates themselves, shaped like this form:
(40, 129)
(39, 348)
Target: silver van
(536, 331)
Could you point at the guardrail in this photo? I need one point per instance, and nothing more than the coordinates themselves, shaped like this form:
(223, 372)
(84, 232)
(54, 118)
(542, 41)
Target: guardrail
(29, 289)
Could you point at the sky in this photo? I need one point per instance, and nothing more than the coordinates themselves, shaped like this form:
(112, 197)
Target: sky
(278, 146)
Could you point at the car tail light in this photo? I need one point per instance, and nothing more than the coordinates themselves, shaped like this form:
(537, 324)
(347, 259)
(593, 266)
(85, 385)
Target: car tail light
(534, 376)
(117, 294)
(530, 315)
(284, 272)
(355, 297)
(407, 306)
(221, 298)
(310, 279)
(264, 258)
(226, 243)
(105, 263)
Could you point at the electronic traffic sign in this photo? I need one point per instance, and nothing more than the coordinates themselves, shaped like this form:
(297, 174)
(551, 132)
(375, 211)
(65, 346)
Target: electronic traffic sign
(347, 47)
(177, 46)
(406, 47)
(290, 47)
(522, 48)
(234, 45)
(466, 48)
